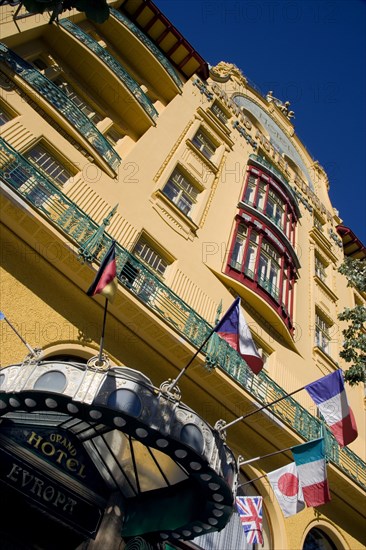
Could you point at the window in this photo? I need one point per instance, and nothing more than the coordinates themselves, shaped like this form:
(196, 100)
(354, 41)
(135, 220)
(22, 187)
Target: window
(5, 116)
(316, 539)
(264, 194)
(251, 256)
(85, 107)
(55, 74)
(269, 269)
(250, 191)
(204, 144)
(181, 192)
(219, 113)
(238, 250)
(262, 265)
(320, 268)
(318, 223)
(47, 163)
(150, 256)
(275, 208)
(322, 333)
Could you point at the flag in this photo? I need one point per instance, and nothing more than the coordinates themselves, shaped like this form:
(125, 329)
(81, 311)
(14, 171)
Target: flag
(286, 486)
(329, 395)
(312, 471)
(2, 315)
(234, 329)
(105, 281)
(250, 512)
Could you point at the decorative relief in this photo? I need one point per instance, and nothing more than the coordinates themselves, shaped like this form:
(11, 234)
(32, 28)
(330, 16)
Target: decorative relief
(212, 191)
(172, 151)
(201, 168)
(183, 229)
(17, 135)
(224, 69)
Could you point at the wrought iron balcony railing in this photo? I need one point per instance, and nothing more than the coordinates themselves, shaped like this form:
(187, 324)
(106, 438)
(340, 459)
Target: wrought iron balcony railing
(56, 97)
(28, 182)
(148, 43)
(113, 65)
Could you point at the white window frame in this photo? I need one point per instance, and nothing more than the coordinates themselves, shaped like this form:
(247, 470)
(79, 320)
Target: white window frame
(204, 143)
(186, 192)
(147, 253)
(48, 163)
(322, 335)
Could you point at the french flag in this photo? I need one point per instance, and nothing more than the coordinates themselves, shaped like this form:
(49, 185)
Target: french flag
(234, 329)
(312, 472)
(105, 281)
(329, 395)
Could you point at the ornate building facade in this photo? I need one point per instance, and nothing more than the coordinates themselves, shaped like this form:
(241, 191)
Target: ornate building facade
(121, 132)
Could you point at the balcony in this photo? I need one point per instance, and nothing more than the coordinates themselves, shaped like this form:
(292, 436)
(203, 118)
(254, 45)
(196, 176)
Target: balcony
(22, 177)
(149, 44)
(67, 109)
(112, 64)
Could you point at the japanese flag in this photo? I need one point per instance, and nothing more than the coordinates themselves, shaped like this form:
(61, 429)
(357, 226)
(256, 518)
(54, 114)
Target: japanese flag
(286, 487)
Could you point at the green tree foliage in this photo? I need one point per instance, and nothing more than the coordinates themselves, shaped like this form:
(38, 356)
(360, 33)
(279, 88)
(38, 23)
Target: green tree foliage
(354, 345)
(95, 10)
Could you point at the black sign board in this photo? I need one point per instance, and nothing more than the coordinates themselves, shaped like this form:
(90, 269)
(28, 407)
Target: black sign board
(48, 494)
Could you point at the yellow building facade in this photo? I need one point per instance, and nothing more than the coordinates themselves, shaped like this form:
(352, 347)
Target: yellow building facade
(121, 132)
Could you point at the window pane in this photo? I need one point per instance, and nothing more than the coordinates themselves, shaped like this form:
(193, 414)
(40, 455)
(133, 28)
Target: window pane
(68, 89)
(147, 253)
(181, 192)
(219, 113)
(4, 116)
(261, 196)
(48, 164)
(204, 144)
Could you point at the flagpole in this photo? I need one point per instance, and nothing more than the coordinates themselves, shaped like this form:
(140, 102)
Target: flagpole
(100, 357)
(30, 349)
(263, 456)
(175, 381)
(252, 480)
(260, 409)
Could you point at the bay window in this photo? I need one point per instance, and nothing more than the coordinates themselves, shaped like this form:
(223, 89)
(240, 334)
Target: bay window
(266, 195)
(263, 266)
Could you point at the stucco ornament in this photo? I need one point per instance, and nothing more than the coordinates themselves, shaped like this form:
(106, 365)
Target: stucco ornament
(225, 70)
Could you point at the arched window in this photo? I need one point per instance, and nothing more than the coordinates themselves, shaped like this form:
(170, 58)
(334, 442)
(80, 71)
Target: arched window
(316, 539)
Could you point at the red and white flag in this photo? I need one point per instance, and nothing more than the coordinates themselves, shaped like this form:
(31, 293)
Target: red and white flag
(286, 486)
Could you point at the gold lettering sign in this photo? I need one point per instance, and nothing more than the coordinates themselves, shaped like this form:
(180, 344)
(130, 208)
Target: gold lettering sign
(64, 456)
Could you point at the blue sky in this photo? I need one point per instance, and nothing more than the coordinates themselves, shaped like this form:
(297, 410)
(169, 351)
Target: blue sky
(311, 53)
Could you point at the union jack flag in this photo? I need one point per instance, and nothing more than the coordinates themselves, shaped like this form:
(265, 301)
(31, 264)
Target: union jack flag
(250, 512)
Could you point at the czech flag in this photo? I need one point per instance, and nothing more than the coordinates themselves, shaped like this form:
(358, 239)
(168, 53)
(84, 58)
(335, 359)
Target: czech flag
(312, 472)
(105, 281)
(329, 395)
(234, 329)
